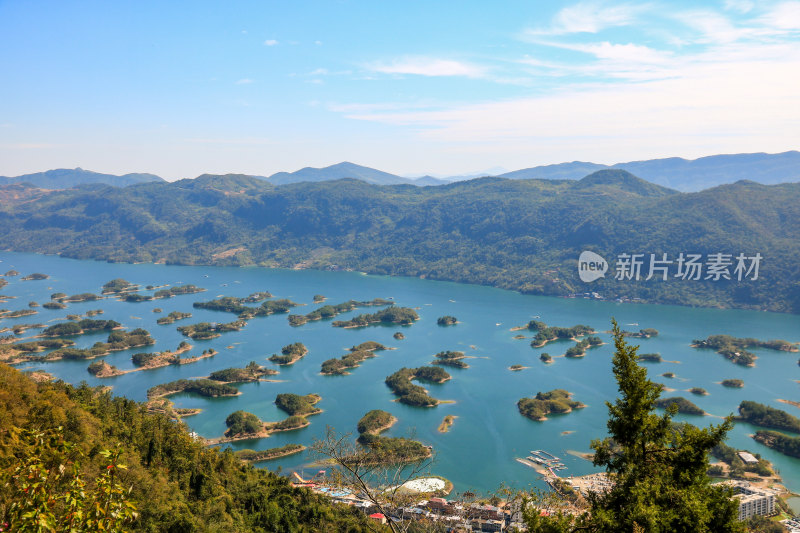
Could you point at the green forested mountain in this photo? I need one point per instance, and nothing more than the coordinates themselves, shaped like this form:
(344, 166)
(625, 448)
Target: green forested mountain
(518, 234)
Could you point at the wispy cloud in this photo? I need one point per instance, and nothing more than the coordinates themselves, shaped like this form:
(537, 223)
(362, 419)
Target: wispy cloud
(244, 81)
(270, 42)
(783, 17)
(589, 17)
(739, 6)
(429, 66)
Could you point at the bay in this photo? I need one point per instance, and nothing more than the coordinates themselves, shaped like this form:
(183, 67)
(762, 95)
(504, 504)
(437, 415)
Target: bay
(479, 451)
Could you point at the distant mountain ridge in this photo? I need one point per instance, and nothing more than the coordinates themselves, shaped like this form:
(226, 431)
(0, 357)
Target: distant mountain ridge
(676, 173)
(66, 178)
(683, 174)
(515, 234)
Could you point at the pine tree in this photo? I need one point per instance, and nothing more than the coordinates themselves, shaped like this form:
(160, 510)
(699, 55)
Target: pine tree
(659, 467)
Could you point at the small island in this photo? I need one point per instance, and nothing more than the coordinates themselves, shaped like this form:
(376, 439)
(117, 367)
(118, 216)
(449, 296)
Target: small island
(765, 416)
(21, 352)
(174, 316)
(375, 422)
(399, 336)
(203, 387)
(11, 273)
(732, 383)
(450, 358)
(517, 368)
(232, 304)
(357, 354)
(54, 305)
(579, 350)
(683, 405)
(330, 311)
(669, 375)
(318, 298)
(641, 334)
(177, 291)
(118, 285)
(294, 404)
(387, 450)
(546, 358)
(34, 277)
(557, 401)
(253, 456)
(290, 354)
(699, 391)
(391, 315)
(101, 369)
(734, 348)
(447, 423)
(779, 442)
(447, 320)
(545, 334)
(650, 357)
(411, 394)
(116, 341)
(207, 330)
(80, 327)
(251, 373)
(149, 361)
(5, 313)
(82, 297)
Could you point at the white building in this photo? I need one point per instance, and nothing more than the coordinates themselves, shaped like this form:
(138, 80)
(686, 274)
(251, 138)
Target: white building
(752, 500)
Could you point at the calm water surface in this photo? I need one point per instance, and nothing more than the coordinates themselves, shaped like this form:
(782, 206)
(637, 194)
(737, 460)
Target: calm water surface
(478, 452)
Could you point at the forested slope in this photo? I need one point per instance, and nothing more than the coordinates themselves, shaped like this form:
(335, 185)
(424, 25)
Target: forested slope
(518, 234)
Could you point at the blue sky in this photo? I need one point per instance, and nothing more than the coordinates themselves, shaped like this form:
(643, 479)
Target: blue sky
(413, 87)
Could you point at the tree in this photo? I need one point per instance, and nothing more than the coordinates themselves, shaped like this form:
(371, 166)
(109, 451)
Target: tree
(658, 467)
(377, 474)
(47, 489)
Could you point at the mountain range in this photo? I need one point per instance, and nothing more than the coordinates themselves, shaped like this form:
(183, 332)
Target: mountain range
(523, 234)
(64, 178)
(674, 172)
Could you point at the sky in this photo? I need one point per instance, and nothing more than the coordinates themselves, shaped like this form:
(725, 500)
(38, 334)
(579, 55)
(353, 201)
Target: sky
(414, 87)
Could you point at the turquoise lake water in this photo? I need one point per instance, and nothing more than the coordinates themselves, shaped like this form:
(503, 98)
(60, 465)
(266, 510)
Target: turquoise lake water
(478, 452)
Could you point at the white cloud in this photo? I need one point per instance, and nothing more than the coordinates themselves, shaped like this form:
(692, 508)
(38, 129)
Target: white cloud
(740, 6)
(270, 42)
(318, 43)
(589, 17)
(244, 81)
(784, 16)
(743, 102)
(429, 66)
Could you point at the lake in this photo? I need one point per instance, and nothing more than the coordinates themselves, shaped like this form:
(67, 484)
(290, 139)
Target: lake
(479, 451)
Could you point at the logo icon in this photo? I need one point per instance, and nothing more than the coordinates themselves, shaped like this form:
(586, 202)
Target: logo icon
(591, 266)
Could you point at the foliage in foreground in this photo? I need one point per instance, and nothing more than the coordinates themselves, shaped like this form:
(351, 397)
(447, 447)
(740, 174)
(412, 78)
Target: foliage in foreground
(174, 482)
(659, 468)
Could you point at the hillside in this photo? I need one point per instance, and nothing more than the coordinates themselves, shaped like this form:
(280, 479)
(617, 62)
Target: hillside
(516, 234)
(64, 178)
(177, 484)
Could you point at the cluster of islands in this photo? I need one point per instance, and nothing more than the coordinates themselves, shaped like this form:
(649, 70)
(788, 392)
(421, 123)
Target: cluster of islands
(779, 429)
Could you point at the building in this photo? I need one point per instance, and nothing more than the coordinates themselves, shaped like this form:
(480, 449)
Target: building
(752, 500)
(484, 524)
(748, 458)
